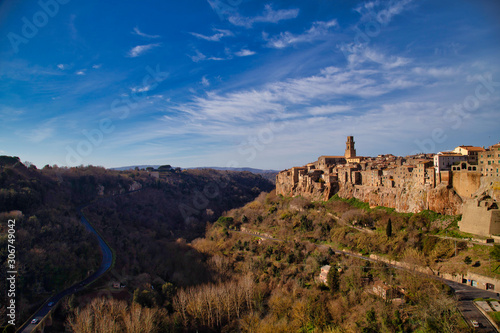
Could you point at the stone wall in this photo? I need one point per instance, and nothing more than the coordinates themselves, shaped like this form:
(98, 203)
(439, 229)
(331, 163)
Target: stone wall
(480, 217)
(466, 183)
(481, 281)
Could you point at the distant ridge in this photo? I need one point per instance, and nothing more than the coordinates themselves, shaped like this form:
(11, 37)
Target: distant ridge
(132, 167)
(252, 170)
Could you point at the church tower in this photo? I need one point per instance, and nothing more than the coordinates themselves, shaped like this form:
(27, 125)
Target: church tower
(349, 147)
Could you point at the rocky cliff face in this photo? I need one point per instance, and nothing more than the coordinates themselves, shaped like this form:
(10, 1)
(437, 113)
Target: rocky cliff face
(410, 199)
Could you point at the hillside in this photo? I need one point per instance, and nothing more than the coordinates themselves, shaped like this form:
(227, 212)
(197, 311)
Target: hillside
(258, 284)
(44, 204)
(266, 174)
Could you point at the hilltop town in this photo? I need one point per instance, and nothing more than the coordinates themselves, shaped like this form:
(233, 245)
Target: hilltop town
(463, 181)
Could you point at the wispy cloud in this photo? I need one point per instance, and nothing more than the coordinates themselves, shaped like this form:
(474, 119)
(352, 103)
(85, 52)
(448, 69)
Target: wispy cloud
(198, 57)
(437, 72)
(137, 32)
(10, 114)
(381, 11)
(330, 84)
(360, 54)
(42, 132)
(215, 37)
(97, 66)
(217, 58)
(205, 82)
(268, 16)
(328, 109)
(62, 66)
(141, 49)
(228, 55)
(318, 30)
(145, 88)
(244, 53)
(81, 72)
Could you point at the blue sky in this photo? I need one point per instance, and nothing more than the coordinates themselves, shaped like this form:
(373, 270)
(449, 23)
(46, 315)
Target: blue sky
(265, 84)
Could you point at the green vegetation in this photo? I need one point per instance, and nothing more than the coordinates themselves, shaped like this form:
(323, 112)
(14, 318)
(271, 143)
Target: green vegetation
(333, 279)
(254, 285)
(495, 252)
(54, 250)
(388, 229)
(352, 201)
(495, 316)
(188, 269)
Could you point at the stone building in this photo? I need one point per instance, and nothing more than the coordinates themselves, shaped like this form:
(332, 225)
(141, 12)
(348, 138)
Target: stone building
(440, 182)
(481, 217)
(444, 160)
(324, 273)
(349, 150)
(489, 161)
(471, 152)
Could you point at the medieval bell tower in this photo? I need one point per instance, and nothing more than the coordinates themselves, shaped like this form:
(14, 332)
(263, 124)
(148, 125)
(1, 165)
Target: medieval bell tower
(349, 147)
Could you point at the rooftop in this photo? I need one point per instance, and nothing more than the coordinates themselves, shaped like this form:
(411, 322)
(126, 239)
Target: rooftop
(472, 148)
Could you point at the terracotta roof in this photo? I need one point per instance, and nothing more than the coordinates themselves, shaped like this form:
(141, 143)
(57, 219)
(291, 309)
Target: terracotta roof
(449, 154)
(472, 148)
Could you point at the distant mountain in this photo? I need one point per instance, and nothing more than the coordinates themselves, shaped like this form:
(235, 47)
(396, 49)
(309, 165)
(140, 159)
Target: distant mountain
(132, 167)
(252, 170)
(266, 174)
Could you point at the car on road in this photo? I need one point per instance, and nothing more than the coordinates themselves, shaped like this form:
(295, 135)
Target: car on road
(50, 304)
(474, 323)
(34, 321)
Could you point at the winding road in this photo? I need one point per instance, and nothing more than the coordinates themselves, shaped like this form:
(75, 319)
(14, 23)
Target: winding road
(107, 260)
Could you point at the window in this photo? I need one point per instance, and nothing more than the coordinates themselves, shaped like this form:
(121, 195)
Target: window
(489, 162)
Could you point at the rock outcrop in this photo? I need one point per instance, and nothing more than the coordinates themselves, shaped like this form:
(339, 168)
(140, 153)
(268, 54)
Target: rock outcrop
(411, 199)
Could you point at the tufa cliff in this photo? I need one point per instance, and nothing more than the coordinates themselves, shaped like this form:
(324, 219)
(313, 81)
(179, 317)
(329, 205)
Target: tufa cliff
(441, 182)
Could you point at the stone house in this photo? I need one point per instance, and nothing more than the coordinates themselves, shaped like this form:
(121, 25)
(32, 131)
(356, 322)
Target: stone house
(324, 273)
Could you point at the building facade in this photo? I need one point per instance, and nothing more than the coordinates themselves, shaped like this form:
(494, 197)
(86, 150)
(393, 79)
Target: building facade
(489, 161)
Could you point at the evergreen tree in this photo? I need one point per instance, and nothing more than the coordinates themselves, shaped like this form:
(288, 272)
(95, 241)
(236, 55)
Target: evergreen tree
(332, 279)
(388, 230)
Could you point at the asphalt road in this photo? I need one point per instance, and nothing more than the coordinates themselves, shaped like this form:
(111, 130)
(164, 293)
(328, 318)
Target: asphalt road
(466, 295)
(107, 259)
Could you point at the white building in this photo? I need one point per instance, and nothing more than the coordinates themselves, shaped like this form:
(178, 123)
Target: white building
(444, 160)
(324, 273)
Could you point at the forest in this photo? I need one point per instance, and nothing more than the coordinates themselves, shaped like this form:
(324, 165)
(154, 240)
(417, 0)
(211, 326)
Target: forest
(231, 280)
(217, 251)
(45, 203)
